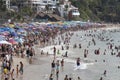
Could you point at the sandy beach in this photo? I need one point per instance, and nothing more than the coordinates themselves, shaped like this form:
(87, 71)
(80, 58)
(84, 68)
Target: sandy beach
(91, 68)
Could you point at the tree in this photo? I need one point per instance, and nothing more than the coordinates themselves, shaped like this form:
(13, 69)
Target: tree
(2, 6)
(104, 10)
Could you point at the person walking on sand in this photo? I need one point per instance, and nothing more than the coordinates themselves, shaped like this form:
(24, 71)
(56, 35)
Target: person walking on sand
(12, 74)
(21, 68)
(62, 64)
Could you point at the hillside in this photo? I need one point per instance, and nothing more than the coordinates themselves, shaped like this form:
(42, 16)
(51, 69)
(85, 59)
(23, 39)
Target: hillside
(99, 10)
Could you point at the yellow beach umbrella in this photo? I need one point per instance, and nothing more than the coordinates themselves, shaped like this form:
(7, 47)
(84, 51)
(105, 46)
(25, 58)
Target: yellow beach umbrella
(11, 25)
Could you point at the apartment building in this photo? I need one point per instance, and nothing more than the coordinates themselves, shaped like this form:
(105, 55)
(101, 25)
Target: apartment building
(40, 5)
(7, 3)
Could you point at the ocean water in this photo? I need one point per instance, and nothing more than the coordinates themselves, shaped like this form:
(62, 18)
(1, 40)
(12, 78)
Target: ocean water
(92, 67)
(94, 70)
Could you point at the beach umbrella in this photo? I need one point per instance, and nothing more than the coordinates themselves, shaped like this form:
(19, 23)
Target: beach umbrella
(65, 26)
(22, 32)
(12, 41)
(13, 33)
(5, 42)
(2, 38)
(11, 25)
(19, 40)
(5, 33)
(17, 27)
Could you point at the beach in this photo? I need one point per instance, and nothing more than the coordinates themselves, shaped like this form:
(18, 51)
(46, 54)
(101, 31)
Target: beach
(91, 68)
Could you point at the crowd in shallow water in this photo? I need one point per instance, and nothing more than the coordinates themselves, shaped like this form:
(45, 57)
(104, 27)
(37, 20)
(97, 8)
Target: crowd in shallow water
(101, 35)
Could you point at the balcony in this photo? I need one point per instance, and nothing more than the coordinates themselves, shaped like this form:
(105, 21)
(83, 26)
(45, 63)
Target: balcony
(75, 13)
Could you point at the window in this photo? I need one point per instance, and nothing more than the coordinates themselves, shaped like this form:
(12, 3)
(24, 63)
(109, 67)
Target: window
(44, 1)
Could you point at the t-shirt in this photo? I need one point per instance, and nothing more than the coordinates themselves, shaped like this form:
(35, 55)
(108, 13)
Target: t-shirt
(53, 65)
(5, 71)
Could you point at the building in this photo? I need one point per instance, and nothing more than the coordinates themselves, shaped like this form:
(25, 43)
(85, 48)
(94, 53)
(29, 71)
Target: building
(67, 10)
(7, 3)
(73, 12)
(40, 5)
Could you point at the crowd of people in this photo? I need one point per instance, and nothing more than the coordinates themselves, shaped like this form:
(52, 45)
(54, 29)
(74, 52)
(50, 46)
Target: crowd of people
(45, 38)
(94, 34)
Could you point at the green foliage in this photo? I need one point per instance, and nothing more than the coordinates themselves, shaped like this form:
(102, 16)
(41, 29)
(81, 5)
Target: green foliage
(104, 10)
(2, 5)
(26, 11)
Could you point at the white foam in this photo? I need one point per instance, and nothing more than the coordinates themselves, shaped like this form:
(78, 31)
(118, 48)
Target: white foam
(49, 49)
(83, 65)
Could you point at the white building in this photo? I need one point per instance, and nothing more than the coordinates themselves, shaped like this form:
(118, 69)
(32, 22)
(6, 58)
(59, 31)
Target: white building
(41, 4)
(74, 11)
(70, 9)
(7, 3)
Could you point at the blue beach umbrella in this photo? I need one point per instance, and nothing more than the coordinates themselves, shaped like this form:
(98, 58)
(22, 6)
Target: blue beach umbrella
(65, 27)
(19, 40)
(2, 38)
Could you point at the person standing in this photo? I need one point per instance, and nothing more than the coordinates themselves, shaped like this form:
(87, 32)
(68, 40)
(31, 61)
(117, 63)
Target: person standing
(57, 65)
(21, 68)
(12, 74)
(51, 77)
(6, 76)
(57, 69)
(57, 74)
(31, 55)
(28, 52)
(79, 78)
(62, 64)
(54, 51)
(78, 62)
(85, 53)
(17, 71)
(53, 66)
(66, 77)
(105, 73)
(101, 78)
